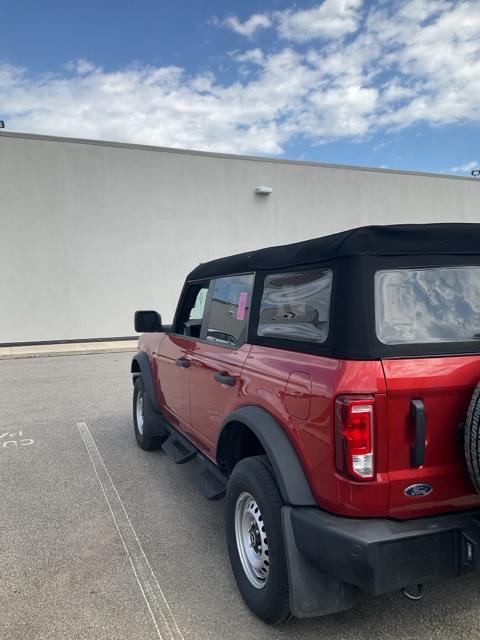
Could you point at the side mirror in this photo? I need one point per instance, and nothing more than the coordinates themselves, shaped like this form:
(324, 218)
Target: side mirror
(147, 322)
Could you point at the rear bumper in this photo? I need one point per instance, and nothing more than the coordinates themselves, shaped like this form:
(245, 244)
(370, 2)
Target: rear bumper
(380, 555)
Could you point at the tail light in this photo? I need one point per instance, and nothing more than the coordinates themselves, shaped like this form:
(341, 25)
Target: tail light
(354, 436)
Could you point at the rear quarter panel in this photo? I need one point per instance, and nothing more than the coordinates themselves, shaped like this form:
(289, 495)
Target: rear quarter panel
(305, 410)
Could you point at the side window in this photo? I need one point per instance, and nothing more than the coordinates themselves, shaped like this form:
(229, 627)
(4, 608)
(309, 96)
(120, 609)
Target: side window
(190, 317)
(229, 309)
(198, 309)
(296, 306)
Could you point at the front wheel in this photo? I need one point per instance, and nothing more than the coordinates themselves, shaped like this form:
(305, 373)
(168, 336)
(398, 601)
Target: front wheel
(140, 417)
(255, 539)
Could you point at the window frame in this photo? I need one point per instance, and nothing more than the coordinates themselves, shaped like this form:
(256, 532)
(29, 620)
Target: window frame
(204, 329)
(207, 310)
(408, 343)
(289, 344)
(352, 334)
(179, 313)
(380, 350)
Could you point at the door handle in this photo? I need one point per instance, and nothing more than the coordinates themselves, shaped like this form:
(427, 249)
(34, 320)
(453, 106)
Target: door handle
(417, 450)
(183, 362)
(224, 378)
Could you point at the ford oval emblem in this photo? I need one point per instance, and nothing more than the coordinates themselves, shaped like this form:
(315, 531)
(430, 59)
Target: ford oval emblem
(418, 490)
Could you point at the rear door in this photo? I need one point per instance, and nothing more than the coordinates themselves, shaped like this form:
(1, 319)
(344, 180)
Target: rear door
(218, 358)
(428, 397)
(443, 386)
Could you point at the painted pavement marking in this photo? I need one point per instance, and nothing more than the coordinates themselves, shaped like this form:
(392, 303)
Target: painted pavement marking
(6, 441)
(162, 616)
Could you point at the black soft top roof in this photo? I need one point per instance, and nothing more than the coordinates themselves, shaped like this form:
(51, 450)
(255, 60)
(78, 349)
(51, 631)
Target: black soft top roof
(388, 240)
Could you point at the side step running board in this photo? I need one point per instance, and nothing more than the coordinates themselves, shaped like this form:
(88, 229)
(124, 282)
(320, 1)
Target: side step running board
(207, 478)
(179, 448)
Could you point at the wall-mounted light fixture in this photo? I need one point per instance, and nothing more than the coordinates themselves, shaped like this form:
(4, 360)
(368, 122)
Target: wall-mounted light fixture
(263, 191)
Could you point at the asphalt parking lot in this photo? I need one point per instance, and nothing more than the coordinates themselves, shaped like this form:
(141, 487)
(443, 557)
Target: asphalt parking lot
(102, 540)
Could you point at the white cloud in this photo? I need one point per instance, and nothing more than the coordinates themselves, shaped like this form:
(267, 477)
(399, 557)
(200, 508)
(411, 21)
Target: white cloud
(254, 56)
(421, 10)
(344, 111)
(159, 106)
(442, 58)
(248, 28)
(412, 61)
(394, 92)
(467, 167)
(331, 19)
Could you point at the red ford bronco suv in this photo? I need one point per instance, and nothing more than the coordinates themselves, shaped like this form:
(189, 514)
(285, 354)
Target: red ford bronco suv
(329, 389)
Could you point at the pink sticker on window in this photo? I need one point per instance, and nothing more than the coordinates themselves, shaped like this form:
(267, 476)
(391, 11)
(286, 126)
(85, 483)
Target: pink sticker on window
(242, 303)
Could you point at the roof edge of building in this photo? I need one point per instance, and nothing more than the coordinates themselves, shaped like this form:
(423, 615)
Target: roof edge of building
(228, 156)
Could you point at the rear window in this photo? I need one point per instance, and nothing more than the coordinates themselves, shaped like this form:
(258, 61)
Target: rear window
(296, 306)
(438, 304)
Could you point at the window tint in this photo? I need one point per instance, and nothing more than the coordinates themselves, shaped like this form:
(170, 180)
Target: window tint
(229, 309)
(427, 305)
(296, 306)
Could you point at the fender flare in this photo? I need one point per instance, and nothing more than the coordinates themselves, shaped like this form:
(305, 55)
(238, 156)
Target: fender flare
(143, 363)
(289, 472)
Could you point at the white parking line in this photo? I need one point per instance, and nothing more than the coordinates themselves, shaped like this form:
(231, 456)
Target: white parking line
(162, 616)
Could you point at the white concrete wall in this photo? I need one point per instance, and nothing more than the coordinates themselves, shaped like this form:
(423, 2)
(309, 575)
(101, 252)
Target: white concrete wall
(89, 232)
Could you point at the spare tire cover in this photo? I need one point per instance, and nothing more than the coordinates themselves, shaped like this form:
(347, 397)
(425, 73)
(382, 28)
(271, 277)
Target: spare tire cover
(472, 438)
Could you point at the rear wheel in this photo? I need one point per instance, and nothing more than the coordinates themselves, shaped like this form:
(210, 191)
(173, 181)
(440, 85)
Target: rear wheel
(255, 539)
(472, 438)
(140, 420)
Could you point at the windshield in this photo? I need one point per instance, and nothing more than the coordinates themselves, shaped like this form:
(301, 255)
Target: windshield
(438, 304)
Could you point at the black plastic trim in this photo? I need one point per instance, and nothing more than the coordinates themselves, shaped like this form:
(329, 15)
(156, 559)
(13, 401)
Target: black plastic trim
(68, 341)
(224, 378)
(312, 592)
(381, 555)
(183, 362)
(204, 474)
(417, 449)
(143, 363)
(147, 321)
(289, 473)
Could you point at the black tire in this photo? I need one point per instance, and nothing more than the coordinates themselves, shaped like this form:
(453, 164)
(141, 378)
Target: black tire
(144, 441)
(255, 477)
(472, 438)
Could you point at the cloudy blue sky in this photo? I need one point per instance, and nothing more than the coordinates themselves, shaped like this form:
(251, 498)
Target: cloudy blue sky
(381, 83)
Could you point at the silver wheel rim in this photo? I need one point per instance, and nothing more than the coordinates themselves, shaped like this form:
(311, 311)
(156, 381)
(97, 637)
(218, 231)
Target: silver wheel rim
(252, 543)
(139, 412)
